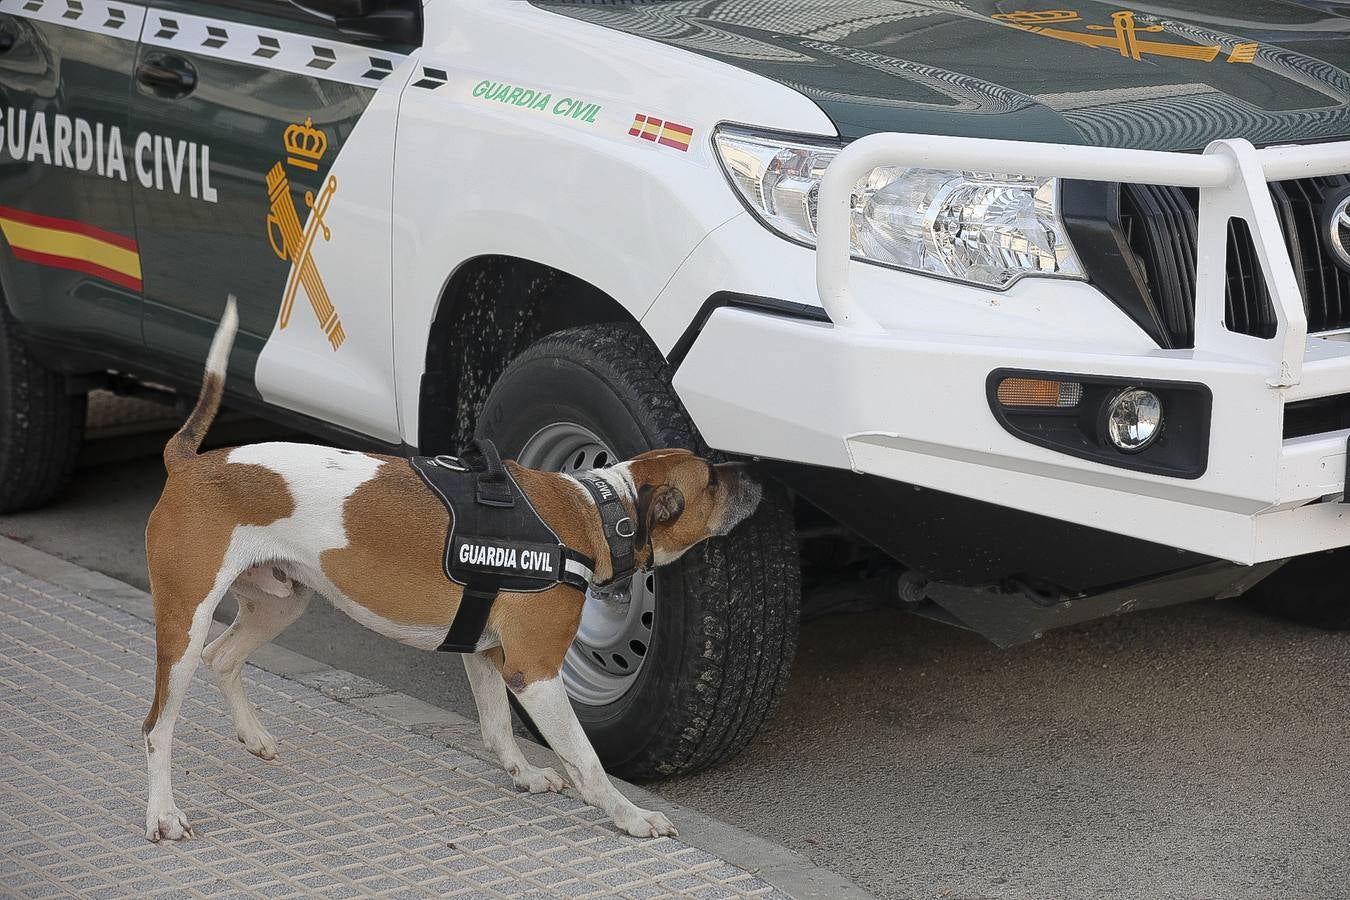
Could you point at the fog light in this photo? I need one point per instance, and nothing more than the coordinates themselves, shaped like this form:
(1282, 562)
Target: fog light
(1133, 419)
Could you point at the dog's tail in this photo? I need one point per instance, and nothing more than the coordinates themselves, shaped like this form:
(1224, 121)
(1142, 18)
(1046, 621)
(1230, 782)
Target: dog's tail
(182, 447)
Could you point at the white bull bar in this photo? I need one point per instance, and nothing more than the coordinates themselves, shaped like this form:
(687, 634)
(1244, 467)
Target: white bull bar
(1268, 497)
(1231, 175)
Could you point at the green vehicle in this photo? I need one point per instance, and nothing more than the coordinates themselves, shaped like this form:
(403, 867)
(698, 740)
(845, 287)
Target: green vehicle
(1042, 309)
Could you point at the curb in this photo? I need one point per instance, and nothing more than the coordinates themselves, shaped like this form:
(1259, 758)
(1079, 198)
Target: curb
(785, 869)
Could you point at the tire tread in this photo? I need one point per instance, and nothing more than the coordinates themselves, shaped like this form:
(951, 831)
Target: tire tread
(41, 426)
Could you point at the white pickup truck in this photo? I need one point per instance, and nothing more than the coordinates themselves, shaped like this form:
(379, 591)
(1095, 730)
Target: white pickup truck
(1045, 311)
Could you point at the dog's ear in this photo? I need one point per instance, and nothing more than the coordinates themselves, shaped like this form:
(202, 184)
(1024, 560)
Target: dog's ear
(657, 504)
(665, 505)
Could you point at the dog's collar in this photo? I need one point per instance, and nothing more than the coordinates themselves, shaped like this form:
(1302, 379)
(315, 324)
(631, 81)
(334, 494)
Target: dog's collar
(617, 524)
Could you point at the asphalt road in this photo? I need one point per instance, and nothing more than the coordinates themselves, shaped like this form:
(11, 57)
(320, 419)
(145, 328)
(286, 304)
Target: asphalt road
(1198, 751)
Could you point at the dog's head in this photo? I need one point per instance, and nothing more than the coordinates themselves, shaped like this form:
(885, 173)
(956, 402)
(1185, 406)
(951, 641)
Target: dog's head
(683, 499)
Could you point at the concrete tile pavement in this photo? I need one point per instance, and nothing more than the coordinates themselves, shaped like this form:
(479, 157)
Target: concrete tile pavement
(374, 793)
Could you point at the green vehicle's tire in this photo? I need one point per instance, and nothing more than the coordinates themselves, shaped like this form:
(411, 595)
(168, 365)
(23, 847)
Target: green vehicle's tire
(1310, 590)
(684, 667)
(41, 425)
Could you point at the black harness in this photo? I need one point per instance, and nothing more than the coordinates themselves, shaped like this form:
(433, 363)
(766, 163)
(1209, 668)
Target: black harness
(620, 531)
(496, 540)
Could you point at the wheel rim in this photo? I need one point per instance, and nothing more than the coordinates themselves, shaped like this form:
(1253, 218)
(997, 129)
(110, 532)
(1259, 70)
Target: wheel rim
(616, 624)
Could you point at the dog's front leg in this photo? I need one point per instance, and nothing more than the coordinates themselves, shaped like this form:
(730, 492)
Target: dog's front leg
(494, 718)
(547, 703)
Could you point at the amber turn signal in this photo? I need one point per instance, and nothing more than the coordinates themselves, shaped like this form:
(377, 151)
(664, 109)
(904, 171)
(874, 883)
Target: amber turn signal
(1039, 392)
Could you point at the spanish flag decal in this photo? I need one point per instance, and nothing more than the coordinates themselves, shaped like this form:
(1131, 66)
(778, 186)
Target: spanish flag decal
(668, 133)
(67, 244)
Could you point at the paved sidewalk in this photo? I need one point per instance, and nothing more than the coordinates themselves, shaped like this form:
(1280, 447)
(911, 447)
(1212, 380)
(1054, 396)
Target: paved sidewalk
(364, 799)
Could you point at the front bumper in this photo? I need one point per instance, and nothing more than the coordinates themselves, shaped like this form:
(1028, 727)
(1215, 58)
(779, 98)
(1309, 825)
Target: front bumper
(895, 384)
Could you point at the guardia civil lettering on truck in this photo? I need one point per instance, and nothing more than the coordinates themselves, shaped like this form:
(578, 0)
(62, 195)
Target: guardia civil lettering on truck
(1034, 313)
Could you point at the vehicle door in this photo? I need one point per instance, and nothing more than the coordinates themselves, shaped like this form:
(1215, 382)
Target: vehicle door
(71, 262)
(262, 168)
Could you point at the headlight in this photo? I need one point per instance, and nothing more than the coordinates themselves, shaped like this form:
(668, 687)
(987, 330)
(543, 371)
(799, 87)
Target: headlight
(978, 227)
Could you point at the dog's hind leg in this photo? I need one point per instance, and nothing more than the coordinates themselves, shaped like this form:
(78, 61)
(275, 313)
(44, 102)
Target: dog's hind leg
(494, 719)
(546, 702)
(259, 620)
(180, 633)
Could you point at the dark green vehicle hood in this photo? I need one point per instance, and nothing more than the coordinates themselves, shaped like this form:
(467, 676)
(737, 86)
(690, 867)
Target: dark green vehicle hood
(1160, 76)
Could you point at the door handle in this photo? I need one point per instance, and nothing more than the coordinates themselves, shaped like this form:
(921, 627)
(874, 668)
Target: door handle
(167, 76)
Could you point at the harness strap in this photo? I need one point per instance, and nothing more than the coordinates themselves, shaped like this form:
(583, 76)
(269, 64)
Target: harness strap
(618, 526)
(494, 487)
(578, 569)
(471, 618)
(476, 604)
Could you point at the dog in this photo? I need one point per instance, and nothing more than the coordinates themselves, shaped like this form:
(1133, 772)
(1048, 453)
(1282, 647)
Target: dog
(277, 523)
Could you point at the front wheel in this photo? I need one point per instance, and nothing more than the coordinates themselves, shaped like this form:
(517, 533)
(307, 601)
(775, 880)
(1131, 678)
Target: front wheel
(41, 425)
(677, 670)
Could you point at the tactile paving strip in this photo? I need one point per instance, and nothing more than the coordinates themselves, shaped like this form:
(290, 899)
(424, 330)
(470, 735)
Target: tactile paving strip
(353, 807)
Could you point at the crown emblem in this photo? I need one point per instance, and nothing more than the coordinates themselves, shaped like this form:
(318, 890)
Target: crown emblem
(305, 145)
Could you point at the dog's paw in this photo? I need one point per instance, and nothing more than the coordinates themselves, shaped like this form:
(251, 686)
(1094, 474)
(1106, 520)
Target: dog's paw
(259, 742)
(644, 823)
(536, 780)
(169, 826)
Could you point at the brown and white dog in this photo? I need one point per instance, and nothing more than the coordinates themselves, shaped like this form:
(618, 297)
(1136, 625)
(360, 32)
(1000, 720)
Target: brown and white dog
(279, 522)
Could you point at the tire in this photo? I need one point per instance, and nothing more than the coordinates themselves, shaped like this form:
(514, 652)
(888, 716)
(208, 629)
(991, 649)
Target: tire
(1308, 590)
(41, 425)
(720, 641)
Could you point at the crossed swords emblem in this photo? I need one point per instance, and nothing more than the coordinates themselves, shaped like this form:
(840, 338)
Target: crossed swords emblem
(294, 244)
(1125, 36)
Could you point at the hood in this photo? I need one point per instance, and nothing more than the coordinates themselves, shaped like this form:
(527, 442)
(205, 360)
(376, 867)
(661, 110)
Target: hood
(1157, 76)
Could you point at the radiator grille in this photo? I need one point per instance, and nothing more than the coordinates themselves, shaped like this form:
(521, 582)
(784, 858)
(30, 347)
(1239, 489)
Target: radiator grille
(1325, 284)
(1158, 225)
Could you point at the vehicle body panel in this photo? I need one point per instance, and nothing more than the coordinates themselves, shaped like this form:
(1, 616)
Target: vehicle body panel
(65, 200)
(280, 95)
(472, 174)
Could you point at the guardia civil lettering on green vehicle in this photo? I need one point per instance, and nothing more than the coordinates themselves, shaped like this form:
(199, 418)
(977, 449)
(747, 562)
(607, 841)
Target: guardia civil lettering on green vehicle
(79, 144)
(1034, 312)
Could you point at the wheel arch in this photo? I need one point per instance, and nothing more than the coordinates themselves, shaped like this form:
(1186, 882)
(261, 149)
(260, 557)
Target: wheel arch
(491, 307)
(10, 288)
